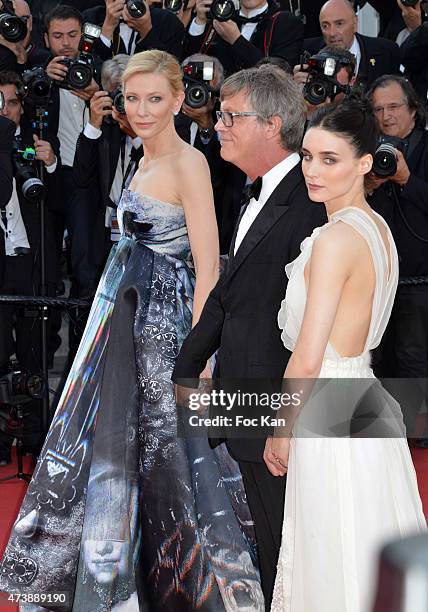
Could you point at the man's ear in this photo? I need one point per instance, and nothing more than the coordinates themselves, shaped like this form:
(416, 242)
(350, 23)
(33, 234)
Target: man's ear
(274, 125)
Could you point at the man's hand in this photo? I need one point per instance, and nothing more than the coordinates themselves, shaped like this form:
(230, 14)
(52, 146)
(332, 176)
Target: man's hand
(114, 11)
(55, 70)
(373, 182)
(411, 14)
(87, 93)
(44, 151)
(100, 107)
(276, 455)
(228, 30)
(123, 122)
(142, 25)
(299, 76)
(202, 116)
(202, 7)
(403, 173)
(17, 48)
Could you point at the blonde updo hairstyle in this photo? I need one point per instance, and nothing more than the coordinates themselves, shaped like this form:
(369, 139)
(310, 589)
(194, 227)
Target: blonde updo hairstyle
(156, 62)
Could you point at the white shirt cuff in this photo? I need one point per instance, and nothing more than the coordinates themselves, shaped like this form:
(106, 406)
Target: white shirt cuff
(196, 29)
(92, 132)
(50, 169)
(105, 40)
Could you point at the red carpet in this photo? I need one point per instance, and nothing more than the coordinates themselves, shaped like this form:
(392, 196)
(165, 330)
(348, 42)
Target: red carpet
(12, 492)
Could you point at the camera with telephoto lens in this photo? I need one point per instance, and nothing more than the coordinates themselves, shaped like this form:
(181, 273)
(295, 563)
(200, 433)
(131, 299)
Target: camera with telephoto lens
(322, 83)
(118, 100)
(81, 69)
(37, 86)
(385, 157)
(20, 385)
(222, 10)
(197, 75)
(174, 6)
(409, 2)
(136, 8)
(12, 27)
(24, 162)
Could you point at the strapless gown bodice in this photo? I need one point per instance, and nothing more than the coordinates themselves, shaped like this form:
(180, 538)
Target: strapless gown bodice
(161, 226)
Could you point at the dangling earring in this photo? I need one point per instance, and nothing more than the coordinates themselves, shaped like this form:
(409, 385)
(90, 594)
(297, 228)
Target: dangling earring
(175, 113)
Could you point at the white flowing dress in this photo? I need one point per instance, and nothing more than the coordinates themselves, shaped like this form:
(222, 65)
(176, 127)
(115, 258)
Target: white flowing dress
(345, 497)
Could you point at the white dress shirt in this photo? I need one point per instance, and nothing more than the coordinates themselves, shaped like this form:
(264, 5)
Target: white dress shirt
(355, 49)
(72, 115)
(196, 29)
(128, 36)
(271, 181)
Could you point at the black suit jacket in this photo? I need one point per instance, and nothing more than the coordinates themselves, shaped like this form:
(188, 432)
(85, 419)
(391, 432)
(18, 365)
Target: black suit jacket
(379, 56)
(7, 131)
(414, 58)
(166, 34)
(287, 38)
(96, 160)
(239, 318)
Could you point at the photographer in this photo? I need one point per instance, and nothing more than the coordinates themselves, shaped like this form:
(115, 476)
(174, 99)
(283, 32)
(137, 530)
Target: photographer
(7, 130)
(414, 52)
(255, 30)
(327, 79)
(401, 197)
(20, 251)
(22, 54)
(124, 33)
(108, 151)
(339, 23)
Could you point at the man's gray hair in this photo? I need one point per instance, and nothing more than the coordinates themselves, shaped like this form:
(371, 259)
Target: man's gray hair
(112, 71)
(271, 92)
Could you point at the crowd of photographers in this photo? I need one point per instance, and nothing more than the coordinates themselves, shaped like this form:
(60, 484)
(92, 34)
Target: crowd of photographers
(66, 141)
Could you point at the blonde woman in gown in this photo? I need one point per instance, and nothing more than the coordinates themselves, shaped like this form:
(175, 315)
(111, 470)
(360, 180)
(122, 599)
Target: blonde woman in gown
(345, 498)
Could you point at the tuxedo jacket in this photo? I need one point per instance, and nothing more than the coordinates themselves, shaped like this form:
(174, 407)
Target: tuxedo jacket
(7, 131)
(96, 160)
(285, 33)
(239, 318)
(166, 34)
(31, 217)
(414, 58)
(379, 56)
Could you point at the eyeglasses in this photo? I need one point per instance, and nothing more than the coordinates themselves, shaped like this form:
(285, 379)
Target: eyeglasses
(392, 108)
(227, 118)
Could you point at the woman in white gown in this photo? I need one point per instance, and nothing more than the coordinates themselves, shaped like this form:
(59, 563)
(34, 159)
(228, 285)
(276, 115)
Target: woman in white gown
(345, 496)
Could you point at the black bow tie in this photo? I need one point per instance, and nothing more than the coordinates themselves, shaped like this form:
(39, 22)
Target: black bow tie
(252, 190)
(135, 154)
(241, 20)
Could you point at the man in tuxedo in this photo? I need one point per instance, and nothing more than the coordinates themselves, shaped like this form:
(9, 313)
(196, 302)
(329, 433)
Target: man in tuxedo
(121, 33)
(261, 134)
(7, 130)
(375, 56)
(108, 151)
(255, 31)
(20, 255)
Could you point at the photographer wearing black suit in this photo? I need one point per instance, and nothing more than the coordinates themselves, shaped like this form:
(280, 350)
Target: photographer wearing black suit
(22, 54)
(20, 250)
(374, 56)
(414, 52)
(400, 194)
(255, 30)
(7, 131)
(261, 134)
(108, 151)
(146, 28)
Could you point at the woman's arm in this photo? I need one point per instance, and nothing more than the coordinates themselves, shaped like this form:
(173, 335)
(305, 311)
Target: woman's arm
(197, 199)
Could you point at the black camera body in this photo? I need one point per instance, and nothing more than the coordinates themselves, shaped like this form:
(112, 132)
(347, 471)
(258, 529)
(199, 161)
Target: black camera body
(136, 8)
(385, 159)
(25, 171)
(118, 100)
(197, 75)
(12, 27)
(20, 386)
(322, 84)
(37, 86)
(222, 10)
(409, 2)
(81, 68)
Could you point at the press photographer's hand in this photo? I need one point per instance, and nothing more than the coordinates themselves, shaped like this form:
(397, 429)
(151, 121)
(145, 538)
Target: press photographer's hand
(411, 14)
(17, 49)
(202, 7)
(100, 107)
(114, 10)
(228, 30)
(44, 151)
(299, 75)
(403, 173)
(55, 70)
(87, 93)
(202, 116)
